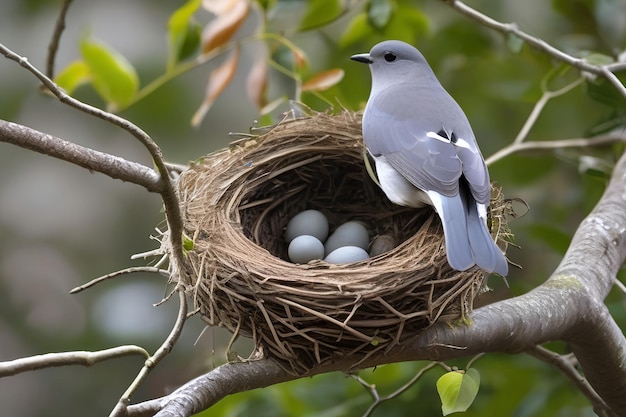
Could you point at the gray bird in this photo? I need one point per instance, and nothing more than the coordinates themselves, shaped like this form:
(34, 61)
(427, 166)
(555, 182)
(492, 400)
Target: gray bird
(426, 153)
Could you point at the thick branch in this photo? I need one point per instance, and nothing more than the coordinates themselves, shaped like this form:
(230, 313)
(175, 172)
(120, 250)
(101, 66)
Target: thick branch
(111, 165)
(204, 391)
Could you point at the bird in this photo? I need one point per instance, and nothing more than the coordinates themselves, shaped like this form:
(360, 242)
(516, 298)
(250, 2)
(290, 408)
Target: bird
(425, 152)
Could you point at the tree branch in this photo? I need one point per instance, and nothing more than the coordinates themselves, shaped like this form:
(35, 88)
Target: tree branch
(378, 400)
(546, 145)
(541, 45)
(568, 369)
(111, 165)
(84, 358)
(568, 306)
(167, 345)
(126, 271)
(53, 46)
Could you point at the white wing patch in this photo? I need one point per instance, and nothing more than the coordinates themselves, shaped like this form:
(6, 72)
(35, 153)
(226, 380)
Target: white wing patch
(460, 142)
(438, 137)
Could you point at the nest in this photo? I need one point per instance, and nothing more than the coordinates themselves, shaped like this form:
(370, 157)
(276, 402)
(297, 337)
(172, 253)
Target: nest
(236, 204)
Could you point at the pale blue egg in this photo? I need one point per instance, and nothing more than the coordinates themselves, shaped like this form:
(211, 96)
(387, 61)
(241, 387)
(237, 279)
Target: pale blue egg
(346, 254)
(307, 222)
(305, 248)
(351, 233)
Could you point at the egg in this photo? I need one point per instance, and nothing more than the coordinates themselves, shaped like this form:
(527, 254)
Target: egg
(346, 254)
(381, 244)
(307, 222)
(305, 248)
(351, 233)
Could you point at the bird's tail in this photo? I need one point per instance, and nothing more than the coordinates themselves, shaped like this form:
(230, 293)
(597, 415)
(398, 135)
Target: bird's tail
(487, 254)
(468, 241)
(453, 216)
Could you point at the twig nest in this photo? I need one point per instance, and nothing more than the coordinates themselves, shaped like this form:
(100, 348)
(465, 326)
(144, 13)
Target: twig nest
(236, 204)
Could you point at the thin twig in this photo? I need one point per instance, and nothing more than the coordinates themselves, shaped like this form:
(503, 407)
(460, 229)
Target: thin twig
(568, 369)
(176, 168)
(370, 388)
(539, 44)
(539, 106)
(53, 46)
(150, 269)
(555, 144)
(474, 359)
(177, 71)
(83, 358)
(620, 285)
(378, 400)
(152, 361)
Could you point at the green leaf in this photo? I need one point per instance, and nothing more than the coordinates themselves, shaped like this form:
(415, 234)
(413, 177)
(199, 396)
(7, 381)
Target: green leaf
(407, 23)
(514, 43)
(113, 77)
(457, 390)
(267, 5)
(613, 120)
(74, 75)
(188, 243)
(358, 29)
(595, 166)
(183, 33)
(604, 92)
(379, 12)
(597, 58)
(319, 13)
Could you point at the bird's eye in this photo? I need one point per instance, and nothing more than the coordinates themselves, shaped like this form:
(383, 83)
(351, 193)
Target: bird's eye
(390, 57)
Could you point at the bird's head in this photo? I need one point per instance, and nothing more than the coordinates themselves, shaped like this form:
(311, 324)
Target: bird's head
(395, 62)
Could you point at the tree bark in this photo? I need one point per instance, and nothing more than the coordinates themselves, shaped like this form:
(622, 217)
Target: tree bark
(111, 165)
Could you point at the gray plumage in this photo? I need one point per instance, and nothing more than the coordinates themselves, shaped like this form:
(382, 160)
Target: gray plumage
(425, 152)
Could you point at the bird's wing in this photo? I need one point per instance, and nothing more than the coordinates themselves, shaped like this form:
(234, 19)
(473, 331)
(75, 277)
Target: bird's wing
(426, 137)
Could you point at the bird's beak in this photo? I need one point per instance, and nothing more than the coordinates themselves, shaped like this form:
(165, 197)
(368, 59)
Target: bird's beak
(365, 58)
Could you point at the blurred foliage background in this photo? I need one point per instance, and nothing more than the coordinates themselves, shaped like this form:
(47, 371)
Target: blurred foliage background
(60, 226)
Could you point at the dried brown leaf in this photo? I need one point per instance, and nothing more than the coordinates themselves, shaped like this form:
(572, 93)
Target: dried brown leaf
(323, 80)
(222, 28)
(218, 80)
(256, 82)
(218, 7)
(299, 57)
